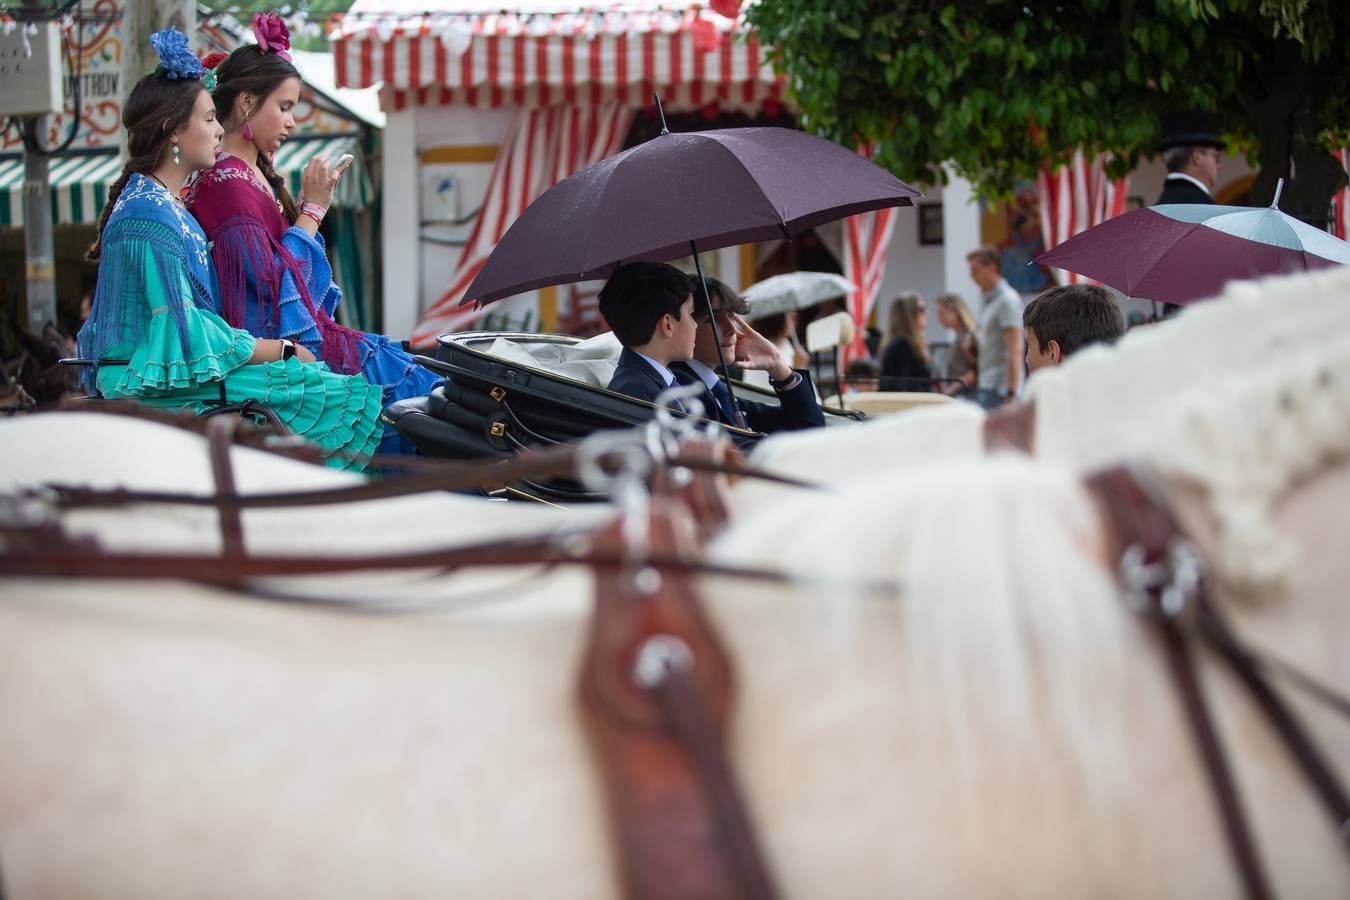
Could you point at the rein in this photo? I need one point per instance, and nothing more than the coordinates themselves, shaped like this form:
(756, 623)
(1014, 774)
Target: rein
(1161, 573)
(435, 475)
(656, 684)
(1163, 580)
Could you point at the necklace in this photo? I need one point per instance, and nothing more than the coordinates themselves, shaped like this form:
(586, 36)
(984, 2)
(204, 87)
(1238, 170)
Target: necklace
(176, 198)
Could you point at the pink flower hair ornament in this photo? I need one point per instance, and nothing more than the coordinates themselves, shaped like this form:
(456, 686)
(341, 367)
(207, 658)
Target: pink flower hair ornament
(272, 34)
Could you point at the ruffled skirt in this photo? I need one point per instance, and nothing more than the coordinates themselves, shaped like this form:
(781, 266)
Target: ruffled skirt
(336, 412)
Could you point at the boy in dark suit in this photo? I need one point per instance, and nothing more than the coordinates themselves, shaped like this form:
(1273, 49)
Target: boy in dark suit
(743, 346)
(650, 308)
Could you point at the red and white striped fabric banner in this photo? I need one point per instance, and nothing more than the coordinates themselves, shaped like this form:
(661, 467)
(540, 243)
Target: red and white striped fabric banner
(692, 56)
(579, 309)
(1340, 204)
(1075, 197)
(867, 239)
(541, 148)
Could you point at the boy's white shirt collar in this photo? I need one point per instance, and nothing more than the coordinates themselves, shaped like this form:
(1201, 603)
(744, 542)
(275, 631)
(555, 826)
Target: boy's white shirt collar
(661, 368)
(703, 371)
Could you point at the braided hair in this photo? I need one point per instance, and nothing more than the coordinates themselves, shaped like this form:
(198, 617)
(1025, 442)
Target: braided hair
(250, 70)
(155, 109)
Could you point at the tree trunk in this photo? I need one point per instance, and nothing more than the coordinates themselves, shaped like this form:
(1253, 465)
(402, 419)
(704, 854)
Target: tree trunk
(1281, 114)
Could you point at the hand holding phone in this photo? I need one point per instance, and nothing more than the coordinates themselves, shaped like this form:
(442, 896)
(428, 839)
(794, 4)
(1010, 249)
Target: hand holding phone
(343, 162)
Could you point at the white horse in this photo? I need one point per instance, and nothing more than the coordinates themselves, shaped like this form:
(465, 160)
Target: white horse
(1002, 725)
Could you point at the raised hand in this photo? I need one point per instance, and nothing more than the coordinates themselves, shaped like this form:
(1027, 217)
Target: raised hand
(318, 182)
(755, 351)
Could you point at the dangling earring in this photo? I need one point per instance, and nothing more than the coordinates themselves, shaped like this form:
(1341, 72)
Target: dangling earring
(246, 132)
(176, 160)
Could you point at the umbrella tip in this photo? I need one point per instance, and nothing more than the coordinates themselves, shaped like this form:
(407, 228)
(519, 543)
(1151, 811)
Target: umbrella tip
(660, 111)
(1279, 187)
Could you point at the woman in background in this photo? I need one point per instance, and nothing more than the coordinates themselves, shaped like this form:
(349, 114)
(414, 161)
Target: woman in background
(962, 359)
(275, 278)
(905, 364)
(151, 331)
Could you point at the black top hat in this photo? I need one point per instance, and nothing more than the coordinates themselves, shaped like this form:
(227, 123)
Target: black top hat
(1190, 128)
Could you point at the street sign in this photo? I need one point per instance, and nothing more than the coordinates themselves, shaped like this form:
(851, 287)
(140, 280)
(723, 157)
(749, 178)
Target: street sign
(30, 69)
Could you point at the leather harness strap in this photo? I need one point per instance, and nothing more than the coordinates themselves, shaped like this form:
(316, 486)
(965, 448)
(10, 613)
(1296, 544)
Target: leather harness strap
(1011, 428)
(220, 438)
(1250, 671)
(656, 689)
(1147, 529)
(1162, 575)
(703, 492)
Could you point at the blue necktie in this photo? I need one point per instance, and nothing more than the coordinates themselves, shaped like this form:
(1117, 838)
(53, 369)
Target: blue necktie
(722, 395)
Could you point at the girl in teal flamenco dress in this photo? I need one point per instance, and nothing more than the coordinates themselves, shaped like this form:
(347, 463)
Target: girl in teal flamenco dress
(150, 331)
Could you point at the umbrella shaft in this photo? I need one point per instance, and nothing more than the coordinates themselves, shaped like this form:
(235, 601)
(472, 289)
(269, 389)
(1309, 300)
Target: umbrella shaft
(712, 323)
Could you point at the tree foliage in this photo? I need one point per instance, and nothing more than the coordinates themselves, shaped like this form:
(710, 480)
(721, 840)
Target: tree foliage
(313, 13)
(1002, 88)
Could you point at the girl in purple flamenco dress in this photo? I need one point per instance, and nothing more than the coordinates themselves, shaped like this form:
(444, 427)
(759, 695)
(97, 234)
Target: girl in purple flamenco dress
(275, 279)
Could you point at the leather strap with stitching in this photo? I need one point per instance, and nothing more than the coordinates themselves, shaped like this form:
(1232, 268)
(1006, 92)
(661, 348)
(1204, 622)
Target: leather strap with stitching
(656, 689)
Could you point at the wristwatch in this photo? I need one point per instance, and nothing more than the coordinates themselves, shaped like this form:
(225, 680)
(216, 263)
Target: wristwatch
(287, 348)
(788, 382)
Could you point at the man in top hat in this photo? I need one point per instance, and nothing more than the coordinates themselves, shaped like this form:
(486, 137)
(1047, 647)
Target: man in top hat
(1192, 152)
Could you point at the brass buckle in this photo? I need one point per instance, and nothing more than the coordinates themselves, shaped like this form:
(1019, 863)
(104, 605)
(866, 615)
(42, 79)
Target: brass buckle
(499, 428)
(498, 394)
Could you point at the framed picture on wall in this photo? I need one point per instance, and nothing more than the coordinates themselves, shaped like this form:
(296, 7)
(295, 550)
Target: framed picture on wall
(930, 223)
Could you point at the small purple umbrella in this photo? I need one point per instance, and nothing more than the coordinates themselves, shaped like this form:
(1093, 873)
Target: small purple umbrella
(679, 194)
(1183, 252)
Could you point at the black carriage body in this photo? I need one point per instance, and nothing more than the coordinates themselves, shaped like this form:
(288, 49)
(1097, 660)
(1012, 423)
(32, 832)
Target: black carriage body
(492, 406)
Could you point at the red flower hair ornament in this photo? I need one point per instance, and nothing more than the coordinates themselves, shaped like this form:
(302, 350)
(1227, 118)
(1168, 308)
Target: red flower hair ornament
(272, 34)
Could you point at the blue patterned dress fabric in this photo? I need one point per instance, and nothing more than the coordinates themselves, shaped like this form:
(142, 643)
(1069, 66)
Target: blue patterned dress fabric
(157, 341)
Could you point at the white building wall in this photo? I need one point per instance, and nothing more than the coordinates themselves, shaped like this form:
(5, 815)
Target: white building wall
(932, 269)
(400, 255)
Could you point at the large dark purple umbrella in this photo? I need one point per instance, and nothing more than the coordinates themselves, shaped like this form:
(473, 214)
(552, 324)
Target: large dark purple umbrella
(679, 194)
(1182, 252)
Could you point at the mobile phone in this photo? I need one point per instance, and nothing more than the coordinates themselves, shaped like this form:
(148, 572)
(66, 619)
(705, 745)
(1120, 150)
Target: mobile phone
(343, 162)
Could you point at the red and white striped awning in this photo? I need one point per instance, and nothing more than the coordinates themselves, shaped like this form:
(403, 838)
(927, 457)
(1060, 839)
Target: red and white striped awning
(619, 52)
(542, 147)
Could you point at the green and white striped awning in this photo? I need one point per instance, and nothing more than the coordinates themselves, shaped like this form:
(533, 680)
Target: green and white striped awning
(79, 184)
(79, 188)
(354, 190)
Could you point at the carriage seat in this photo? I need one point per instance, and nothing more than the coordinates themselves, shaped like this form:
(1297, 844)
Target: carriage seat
(880, 403)
(591, 361)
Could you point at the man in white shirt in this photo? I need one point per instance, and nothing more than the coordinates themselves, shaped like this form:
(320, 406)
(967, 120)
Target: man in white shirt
(1000, 349)
(1192, 152)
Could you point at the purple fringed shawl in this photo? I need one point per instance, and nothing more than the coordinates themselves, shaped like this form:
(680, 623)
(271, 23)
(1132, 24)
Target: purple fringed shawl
(241, 218)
